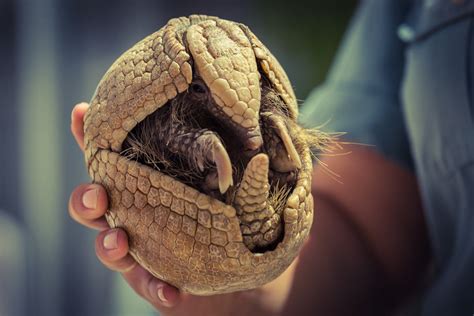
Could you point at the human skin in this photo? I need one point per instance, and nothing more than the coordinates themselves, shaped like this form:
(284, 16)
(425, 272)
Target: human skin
(367, 252)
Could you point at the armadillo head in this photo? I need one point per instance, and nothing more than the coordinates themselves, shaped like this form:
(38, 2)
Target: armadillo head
(224, 59)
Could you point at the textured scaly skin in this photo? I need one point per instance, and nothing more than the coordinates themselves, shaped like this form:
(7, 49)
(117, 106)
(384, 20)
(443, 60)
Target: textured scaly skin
(177, 233)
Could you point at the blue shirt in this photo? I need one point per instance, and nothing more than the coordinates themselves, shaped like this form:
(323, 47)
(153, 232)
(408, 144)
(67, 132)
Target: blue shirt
(403, 81)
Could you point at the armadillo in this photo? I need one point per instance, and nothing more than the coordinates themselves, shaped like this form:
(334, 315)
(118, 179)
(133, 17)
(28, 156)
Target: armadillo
(193, 132)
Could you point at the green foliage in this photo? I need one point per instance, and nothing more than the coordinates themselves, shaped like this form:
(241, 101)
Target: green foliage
(304, 36)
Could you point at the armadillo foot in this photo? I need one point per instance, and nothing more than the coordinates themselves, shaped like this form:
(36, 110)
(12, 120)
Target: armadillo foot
(174, 143)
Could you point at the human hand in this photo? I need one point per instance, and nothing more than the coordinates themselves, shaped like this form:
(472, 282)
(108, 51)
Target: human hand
(88, 204)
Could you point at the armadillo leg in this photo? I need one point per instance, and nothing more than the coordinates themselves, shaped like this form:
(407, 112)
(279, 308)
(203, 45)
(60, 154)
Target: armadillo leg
(260, 224)
(201, 147)
(279, 145)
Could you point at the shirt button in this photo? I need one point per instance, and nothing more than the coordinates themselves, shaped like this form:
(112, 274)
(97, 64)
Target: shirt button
(406, 33)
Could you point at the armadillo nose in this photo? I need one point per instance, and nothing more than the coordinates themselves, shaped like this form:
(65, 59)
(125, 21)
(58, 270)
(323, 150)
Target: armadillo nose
(254, 143)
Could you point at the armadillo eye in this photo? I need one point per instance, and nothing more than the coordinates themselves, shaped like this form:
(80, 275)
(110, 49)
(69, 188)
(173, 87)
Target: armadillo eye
(198, 87)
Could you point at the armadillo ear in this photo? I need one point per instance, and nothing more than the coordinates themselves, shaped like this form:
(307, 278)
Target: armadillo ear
(273, 71)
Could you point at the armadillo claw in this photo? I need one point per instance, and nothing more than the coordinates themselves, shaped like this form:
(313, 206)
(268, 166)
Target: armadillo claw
(289, 146)
(292, 160)
(223, 165)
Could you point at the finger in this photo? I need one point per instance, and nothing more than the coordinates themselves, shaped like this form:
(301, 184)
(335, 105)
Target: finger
(112, 250)
(77, 122)
(111, 247)
(160, 294)
(87, 205)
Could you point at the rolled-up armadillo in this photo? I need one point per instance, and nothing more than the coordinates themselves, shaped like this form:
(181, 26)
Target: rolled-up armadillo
(193, 134)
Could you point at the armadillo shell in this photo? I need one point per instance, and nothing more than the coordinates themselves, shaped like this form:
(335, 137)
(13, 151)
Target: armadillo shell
(180, 235)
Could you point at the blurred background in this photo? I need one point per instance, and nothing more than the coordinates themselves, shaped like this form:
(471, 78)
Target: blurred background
(53, 54)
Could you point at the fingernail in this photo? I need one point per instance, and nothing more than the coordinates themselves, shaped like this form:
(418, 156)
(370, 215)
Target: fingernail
(110, 240)
(161, 293)
(89, 198)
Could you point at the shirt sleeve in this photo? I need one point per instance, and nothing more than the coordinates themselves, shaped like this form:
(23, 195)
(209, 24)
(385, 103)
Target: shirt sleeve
(361, 94)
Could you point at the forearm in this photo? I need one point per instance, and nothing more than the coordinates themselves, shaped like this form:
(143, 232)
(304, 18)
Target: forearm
(337, 274)
(368, 247)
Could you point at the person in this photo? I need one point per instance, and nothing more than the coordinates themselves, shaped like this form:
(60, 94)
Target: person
(398, 230)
